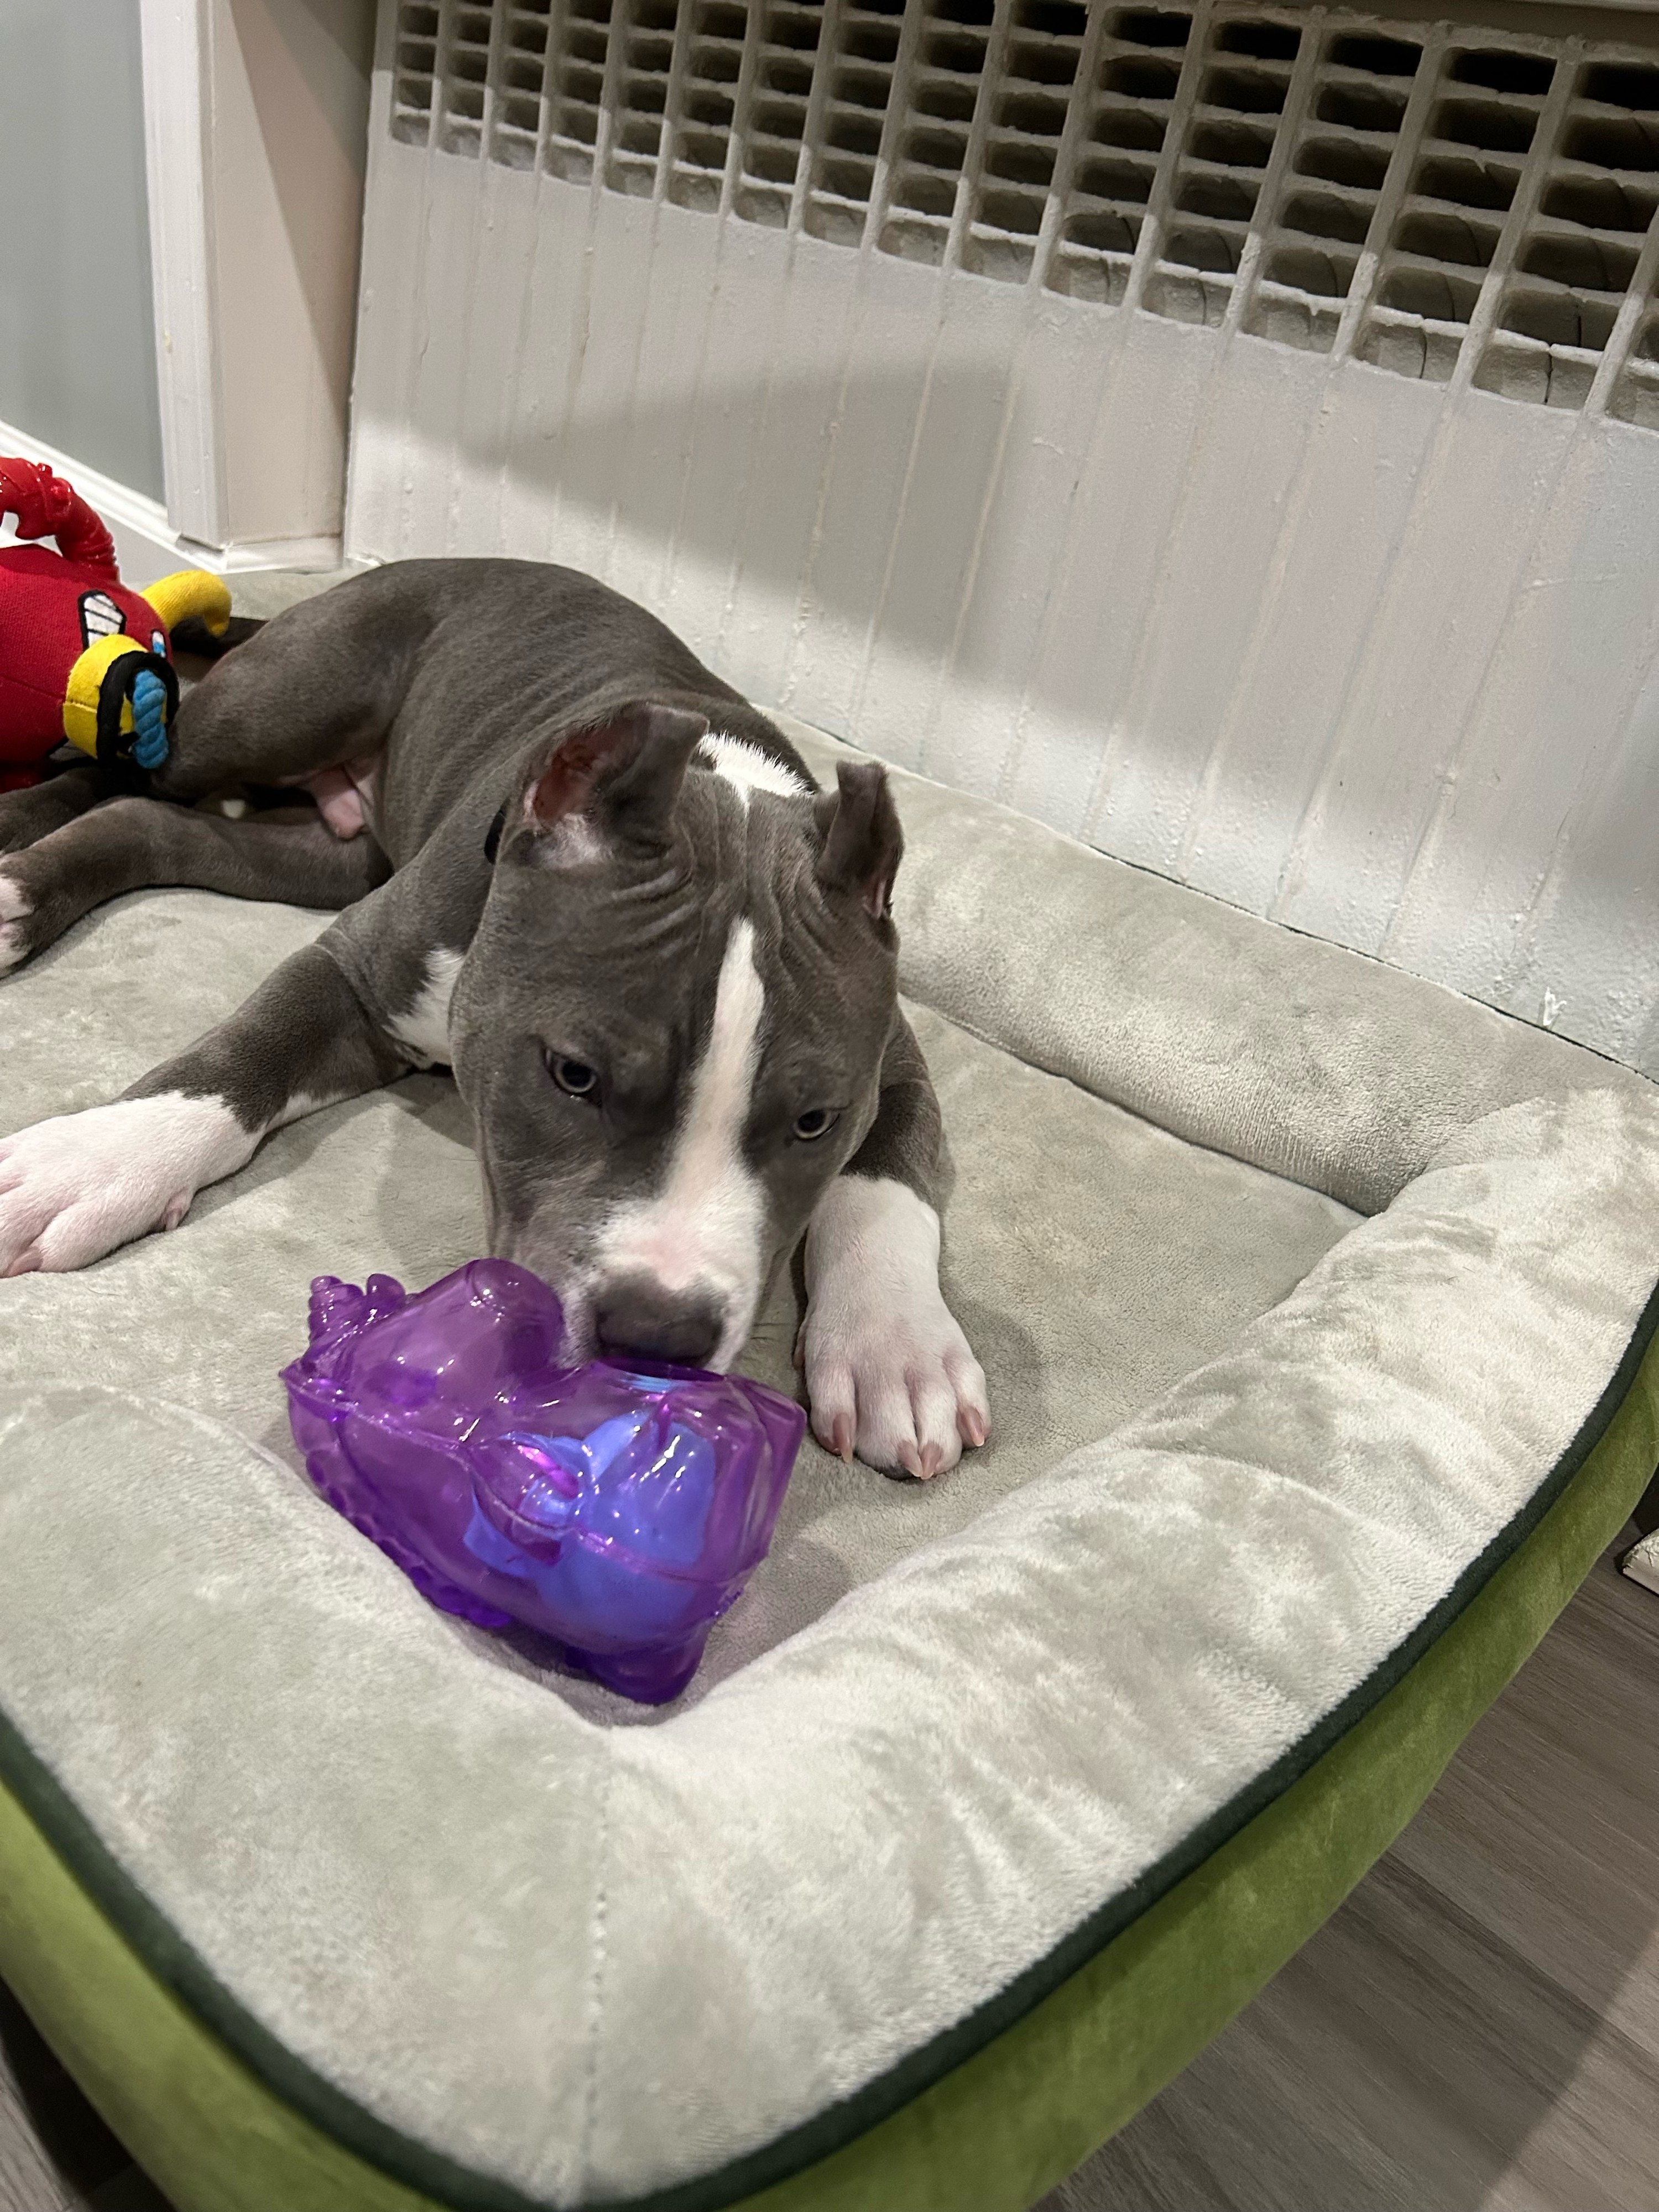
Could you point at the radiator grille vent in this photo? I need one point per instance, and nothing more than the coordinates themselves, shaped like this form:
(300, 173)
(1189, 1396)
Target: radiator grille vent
(1025, 129)
(785, 34)
(1215, 197)
(857, 96)
(415, 69)
(1467, 170)
(515, 127)
(943, 101)
(642, 58)
(1575, 262)
(702, 124)
(466, 73)
(1122, 121)
(574, 86)
(1438, 200)
(1340, 154)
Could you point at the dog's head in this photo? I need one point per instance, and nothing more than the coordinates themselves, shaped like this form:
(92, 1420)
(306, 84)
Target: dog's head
(670, 1024)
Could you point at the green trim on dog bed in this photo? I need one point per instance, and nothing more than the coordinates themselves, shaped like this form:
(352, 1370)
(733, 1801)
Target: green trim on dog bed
(1016, 2114)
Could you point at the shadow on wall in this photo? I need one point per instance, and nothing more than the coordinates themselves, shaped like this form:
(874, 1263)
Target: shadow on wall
(285, 106)
(1371, 657)
(306, 64)
(77, 332)
(822, 492)
(893, 572)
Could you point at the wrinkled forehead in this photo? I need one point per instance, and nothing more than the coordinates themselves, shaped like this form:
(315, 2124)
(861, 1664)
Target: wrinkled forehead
(647, 940)
(819, 966)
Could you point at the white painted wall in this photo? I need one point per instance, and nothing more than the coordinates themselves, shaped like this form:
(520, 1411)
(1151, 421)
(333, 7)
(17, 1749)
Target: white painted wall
(1374, 656)
(146, 546)
(78, 344)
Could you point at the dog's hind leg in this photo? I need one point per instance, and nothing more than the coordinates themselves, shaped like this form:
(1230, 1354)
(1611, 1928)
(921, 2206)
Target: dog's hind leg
(314, 687)
(76, 1186)
(138, 844)
(35, 812)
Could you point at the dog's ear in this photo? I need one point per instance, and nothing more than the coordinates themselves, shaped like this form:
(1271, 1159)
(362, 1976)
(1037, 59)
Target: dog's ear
(620, 779)
(862, 842)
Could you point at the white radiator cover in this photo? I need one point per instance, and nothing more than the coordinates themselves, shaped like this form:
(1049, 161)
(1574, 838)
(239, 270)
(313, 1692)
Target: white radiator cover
(1243, 453)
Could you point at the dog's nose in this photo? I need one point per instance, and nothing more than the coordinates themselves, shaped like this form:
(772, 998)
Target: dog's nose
(637, 1319)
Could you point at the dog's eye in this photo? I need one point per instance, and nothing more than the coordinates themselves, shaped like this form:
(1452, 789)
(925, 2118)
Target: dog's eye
(573, 1077)
(817, 1122)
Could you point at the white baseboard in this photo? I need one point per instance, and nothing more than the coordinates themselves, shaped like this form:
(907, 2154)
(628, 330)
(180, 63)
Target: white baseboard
(146, 543)
(235, 560)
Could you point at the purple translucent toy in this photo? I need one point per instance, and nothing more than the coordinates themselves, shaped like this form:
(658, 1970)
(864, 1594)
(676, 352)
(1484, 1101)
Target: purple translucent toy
(621, 1512)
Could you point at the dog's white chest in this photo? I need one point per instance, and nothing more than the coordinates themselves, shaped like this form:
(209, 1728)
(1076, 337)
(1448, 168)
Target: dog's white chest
(423, 1029)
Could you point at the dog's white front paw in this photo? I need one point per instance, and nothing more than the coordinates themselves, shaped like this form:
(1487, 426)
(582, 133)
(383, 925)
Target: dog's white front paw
(889, 1375)
(74, 1188)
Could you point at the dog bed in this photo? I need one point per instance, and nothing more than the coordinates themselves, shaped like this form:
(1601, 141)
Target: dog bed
(1316, 1304)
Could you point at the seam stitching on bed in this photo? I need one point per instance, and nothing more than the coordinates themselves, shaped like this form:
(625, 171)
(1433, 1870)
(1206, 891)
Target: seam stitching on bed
(596, 1978)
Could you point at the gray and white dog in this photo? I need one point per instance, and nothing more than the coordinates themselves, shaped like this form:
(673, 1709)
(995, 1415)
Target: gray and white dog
(582, 872)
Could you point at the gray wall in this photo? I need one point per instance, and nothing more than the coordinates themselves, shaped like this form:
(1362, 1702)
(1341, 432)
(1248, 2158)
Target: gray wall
(77, 339)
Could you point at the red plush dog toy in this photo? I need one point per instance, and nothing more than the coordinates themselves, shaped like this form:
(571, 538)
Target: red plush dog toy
(82, 657)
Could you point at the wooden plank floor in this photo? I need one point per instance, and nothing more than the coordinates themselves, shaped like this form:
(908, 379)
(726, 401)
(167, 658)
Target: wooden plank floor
(1477, 2029)
(56, 2154)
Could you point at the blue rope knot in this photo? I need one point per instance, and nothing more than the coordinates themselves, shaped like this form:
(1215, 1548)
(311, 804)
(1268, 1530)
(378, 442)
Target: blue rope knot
(149, 720)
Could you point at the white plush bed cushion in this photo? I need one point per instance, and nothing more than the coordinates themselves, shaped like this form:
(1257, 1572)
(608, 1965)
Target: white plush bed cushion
(946, 1730)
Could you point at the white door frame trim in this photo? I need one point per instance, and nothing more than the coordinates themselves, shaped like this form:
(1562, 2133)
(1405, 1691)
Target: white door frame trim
(146, 544)
(181, 260)
(232, 116)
